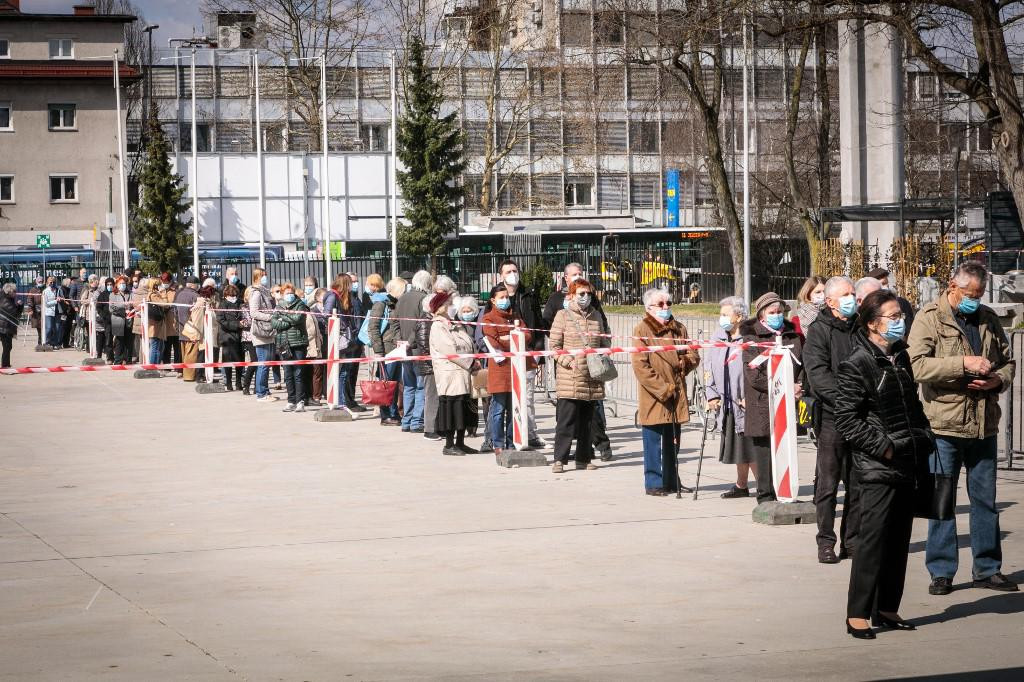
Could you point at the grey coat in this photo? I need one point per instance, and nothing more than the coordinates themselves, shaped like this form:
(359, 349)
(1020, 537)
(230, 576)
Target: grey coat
(714, 362)
(409, 307)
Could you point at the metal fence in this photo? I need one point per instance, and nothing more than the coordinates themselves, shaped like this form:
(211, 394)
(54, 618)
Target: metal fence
(1013, 404)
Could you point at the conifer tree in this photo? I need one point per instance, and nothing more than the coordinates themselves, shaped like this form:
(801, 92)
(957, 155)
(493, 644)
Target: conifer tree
(430, 148)
(159, 232)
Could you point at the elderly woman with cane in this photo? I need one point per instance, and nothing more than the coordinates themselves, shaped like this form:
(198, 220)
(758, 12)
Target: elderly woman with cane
(724, 366)
(661, 391)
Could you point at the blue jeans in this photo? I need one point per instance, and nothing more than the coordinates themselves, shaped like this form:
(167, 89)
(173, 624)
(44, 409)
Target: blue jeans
(391, 372)
(54, 331)
(942, 550)
(500, 420)
(263, 354)
(412, 397)
(156, 349)
(660, 456)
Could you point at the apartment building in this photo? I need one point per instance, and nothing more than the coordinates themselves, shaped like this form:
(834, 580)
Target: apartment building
(58, 129)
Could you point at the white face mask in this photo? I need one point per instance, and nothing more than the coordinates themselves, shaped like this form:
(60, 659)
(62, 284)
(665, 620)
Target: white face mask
(818, 299)
(231, 299)
(512, 279)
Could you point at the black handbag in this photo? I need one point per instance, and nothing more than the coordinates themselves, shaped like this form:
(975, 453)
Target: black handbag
(935, 494)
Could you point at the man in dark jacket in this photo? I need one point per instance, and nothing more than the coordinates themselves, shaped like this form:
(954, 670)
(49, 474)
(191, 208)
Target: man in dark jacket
(829, 342)
(409, 311)
(598, 425)
(525, 303)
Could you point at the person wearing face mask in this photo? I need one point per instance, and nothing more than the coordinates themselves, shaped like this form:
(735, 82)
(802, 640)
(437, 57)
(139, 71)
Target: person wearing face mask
(878, 412)
(768, 324)
(360, 306)
(104, 333)
(231, 277)
(10, 315)
(810, 301)
(661, 391)
(261, 305)
(882, 275)
(162, 321)
(229, 319)
(275, 371)
(184, 299)
(408, 313)
(449, 335)
(525, 304)
(576, 327)
(382, 335)
(962, 360)
(34, 303)
(289, 321)
(499, 318)
(51, 313)
(194, 333)
(723, 369)
(120, 325)
(829, 342)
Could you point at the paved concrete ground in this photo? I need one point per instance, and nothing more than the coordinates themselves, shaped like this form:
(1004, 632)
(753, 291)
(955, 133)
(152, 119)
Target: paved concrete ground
(147, 532)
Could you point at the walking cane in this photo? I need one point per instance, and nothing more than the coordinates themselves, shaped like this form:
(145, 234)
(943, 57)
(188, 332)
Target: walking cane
(680, 488)
(700, 461)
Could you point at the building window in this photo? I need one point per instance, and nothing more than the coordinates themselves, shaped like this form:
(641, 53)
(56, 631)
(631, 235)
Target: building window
(62, 117)
(62, 48)
(984, 138)
(6, 189)
(578, 193)
(5, 116)
(375, 136)
(63, 189)
(5, 48)
(576, 29)
(202, 137)
(643, 137)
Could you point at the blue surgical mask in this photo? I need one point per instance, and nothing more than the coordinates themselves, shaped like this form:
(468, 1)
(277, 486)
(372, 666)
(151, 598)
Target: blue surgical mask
(565, 303)
(774, 320)
(895, 330)
(308, 290)
(968, 305)
(110, 287)
(264, 280)
(664, 314)
(725, 323)
(468, 317)
(504, 304)
(848, 305)
(234, 279)
(289, 298)
(355, 287)
(121, 286)
(367, 291)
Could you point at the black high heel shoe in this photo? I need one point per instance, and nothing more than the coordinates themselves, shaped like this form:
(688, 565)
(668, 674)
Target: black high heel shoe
(866, 633)
(880, 621)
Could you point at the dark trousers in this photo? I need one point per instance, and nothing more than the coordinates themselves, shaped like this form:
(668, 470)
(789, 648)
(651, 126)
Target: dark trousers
(6, 340)
(232, 352)
(172, 349)
(249, 372)
(598, 429)
(880, 562)
(122, 348)
(572, 421)
(105, 344)
(293, 377)
(762, 448)
(834, 464)
(352, 377)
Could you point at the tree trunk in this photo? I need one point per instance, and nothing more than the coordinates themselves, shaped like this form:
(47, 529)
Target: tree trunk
(723, 196)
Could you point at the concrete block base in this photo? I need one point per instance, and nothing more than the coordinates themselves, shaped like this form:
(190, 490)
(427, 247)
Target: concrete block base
(43, 348)
(147, 374)
(329, 415)
(784, 513)
(204, 388)
(93, 361)
(521, 458)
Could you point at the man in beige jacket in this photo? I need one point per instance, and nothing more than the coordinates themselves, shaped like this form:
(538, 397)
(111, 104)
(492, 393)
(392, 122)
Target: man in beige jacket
(961, 358)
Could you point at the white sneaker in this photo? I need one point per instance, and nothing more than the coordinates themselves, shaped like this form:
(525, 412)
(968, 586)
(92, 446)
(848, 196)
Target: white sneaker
(266, 399)
(349, 412)
(290, 407)
(300, 406)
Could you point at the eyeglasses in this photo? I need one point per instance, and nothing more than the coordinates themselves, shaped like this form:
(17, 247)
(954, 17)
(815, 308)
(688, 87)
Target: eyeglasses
(894, 317)
(662, 304)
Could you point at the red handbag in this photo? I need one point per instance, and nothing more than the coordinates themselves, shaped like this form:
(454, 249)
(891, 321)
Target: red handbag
(380, 392)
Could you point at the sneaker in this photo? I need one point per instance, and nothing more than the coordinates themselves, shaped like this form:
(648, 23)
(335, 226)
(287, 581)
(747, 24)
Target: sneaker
(736, 492)
(453, 451)
(418, 429)
(349, 412)
(587, 466)
(266, 399)
(557, 468)
(389, 422)
(289, 408)
(300, 406)
(538, 443)
(466, 450)
(358, 408)
(486, 447)
(405, 429)
(313, 402)
(998, 582)
(430, 435)
(940, 586)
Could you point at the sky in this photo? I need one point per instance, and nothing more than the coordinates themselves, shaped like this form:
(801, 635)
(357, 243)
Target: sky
(175, 17)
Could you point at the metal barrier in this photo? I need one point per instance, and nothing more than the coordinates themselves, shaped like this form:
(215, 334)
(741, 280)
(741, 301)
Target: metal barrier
(1013, 403)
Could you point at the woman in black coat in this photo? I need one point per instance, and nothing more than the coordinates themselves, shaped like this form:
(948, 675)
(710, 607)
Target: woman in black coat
(879, 414)
(10, 315)
(229, 318)
(104, 335)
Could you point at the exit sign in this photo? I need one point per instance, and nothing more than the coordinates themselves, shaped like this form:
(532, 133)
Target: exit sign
(42, 241)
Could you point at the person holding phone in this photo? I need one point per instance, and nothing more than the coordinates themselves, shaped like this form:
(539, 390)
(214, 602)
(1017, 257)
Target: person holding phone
(961, 358)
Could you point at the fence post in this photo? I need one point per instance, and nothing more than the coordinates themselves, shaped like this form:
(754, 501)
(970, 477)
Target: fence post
(332, 412)
(521, 456)
(209, 320)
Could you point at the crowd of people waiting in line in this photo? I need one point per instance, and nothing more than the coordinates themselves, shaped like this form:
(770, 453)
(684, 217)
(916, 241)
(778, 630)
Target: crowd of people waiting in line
(891, 390)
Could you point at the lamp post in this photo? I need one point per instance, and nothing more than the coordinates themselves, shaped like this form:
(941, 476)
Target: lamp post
(394, 168)
(956, 205)
(259, 162)
(746, 171)
(148, 30)
(123, 185)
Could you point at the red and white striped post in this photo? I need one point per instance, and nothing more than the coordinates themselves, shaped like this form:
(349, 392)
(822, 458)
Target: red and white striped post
(208, 321)
(517, 344)
(94, 352)
(782, 420)
(333, 369)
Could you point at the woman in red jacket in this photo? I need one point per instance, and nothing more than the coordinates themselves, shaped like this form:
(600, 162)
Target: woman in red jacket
(499, 320)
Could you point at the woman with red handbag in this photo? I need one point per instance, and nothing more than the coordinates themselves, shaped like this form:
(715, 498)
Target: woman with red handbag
(499, 319)
(383, 335)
